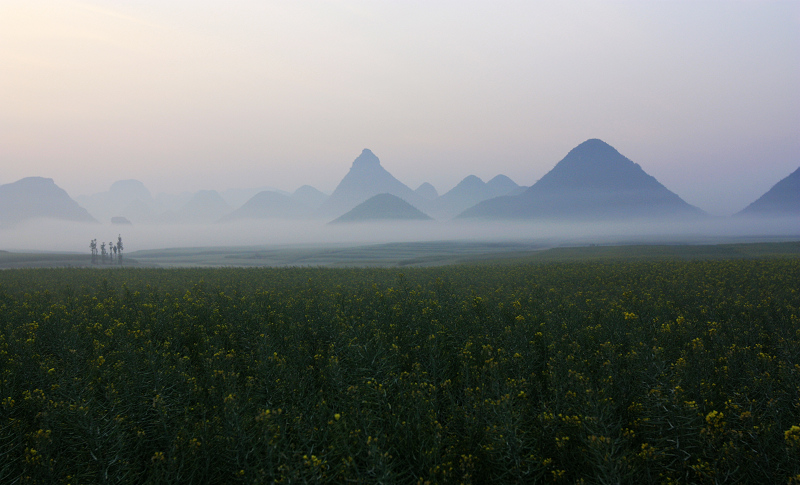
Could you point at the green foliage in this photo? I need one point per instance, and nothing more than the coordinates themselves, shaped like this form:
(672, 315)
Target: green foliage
(592, 372)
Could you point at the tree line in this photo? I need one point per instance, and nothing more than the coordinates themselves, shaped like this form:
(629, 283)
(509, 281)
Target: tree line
(108, 254)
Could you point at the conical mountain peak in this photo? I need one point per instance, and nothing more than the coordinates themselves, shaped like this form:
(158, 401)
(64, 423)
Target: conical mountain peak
(472, 180)
(427, 191)
(367, 159)
(595, 152)
(594, 145)
(593, 182)
(502, 180)
(383, 207)
(596, 165)
(365, 179)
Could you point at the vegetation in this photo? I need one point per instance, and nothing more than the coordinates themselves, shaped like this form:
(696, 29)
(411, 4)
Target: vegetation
(114, 251)
(434, 253)
(599, 371)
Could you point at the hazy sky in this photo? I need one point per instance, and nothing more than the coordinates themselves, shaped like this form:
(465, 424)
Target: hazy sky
(187, 95)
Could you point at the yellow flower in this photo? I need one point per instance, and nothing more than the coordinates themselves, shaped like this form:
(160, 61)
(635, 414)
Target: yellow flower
(792, 436)
(715, 419)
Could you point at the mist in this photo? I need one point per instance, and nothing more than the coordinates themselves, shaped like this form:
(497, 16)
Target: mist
(59, 236)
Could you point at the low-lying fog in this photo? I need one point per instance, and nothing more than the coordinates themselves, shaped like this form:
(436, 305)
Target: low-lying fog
(71, 237)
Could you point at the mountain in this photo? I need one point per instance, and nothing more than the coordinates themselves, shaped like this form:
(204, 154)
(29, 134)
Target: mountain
(427, 191)
(383, 207)
(139, 211)
(783, 199)
(170, 203)
(204, 206)
(365, 179)
(269, 205)
(114, 202)
(501, 185)
(237, 197)
(309, 196)
(469, 192)
(38, 198)
(593, 182)
(128, 191)
(119, 220)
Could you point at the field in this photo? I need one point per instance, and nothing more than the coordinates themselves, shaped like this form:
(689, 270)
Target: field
(655, 365)
(409, 254)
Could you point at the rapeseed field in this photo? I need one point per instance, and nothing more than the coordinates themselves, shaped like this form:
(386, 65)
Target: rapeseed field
(579, 372)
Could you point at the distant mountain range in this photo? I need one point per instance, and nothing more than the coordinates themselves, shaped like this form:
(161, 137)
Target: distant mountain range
(594, 182)
(469, 192)
(130, 199)
(38, 198)
(366, 179)
(270, 205)
(237, 197)
(118, 200)
(205, 206)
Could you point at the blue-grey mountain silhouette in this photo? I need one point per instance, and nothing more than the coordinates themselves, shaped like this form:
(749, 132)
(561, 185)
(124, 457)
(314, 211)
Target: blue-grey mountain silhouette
(140, 211)
(366, 179)
(238, 196)
(383, 207)
(38, 198)
(501, 185)
(427, 191)
(120, 196)
(783, 199)
(122, 221)
(269, 205)
(173, 202)
(593, 182)
(469, 192)
(310, 196)
(204, 206)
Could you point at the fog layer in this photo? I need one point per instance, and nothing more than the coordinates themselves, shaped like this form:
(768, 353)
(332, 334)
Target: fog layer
(75, 237)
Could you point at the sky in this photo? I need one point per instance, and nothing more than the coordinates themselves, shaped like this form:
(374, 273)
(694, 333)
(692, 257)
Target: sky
(190, 95)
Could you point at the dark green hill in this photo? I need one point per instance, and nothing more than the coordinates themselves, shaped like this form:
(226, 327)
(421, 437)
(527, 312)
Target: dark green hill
(383, 207)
